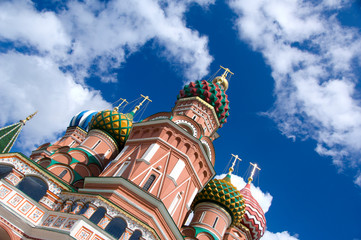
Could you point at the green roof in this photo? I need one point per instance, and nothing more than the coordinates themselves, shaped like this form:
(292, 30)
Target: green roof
(8, 136)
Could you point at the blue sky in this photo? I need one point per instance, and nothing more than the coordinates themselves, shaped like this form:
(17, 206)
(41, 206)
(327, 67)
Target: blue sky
(294, 98)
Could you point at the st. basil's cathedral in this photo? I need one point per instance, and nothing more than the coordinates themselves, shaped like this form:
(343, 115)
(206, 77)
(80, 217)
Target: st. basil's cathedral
(111, 178)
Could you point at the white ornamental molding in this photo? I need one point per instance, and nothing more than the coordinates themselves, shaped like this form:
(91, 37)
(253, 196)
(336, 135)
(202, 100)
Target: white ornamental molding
(207, 148)
(159, 117)
(189, 125)
(26, 170)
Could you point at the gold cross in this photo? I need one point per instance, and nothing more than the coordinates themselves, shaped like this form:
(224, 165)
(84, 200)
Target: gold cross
(117, 108)
(140, 104)
(226, 71)
(255, 166)
(231, 169)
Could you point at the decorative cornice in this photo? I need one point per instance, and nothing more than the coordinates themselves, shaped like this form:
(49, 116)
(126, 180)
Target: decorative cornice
(137, 191)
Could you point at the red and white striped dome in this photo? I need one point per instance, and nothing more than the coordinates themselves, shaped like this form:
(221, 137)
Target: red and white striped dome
(253, 218)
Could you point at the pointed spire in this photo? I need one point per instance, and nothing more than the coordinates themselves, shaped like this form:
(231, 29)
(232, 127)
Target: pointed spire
(9, 134)
(255, 166)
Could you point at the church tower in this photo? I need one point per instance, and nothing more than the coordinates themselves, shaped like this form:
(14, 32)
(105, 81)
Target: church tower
(169, 157)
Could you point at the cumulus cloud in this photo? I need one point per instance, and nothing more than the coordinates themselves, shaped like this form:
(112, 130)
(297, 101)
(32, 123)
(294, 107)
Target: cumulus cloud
(278, 236)
(313, 60)
(35, 83)
(48, 54)
(265, 201)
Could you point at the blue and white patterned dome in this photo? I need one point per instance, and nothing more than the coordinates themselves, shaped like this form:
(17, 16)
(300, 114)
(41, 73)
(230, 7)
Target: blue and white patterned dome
(82, 119)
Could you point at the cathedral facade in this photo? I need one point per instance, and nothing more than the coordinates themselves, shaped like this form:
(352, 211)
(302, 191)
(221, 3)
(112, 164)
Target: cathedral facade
(110, 178)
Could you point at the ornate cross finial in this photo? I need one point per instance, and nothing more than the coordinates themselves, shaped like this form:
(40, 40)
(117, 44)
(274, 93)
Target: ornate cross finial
(28, 118)
(226, 71)
(117, 108)
(255, 166)
(231, 169)
(140, 104)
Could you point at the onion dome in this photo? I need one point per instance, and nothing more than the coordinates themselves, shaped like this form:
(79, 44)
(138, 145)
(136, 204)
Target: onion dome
(115, 124)
(82, 119)
(253, 218)
(211, 92)
(223, 193)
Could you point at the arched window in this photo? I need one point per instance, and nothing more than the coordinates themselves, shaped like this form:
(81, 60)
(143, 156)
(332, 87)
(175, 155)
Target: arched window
(136, 235)
(98, 215)
(5, 170)
(116, 227)
(63, 173)
(29, 183)
(149, 182)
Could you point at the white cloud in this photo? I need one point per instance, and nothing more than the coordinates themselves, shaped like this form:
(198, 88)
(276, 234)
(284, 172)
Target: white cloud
(102, 32)
(278, 236)
(35, 83)
(86, 38)
(313, 60)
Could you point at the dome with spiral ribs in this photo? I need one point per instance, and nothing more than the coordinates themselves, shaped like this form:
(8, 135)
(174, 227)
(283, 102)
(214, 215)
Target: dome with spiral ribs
(211, 92)
(253, 218)
(82, 119)
(115, 124)
(223, 193)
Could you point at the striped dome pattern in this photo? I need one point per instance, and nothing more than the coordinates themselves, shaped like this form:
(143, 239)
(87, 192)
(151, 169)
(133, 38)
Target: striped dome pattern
(82, 119)
(210, 92)
(117, 125)
(223, 193)
(253, 218)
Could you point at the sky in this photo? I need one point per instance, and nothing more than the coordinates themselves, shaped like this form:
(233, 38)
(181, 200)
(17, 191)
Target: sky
(294, 98)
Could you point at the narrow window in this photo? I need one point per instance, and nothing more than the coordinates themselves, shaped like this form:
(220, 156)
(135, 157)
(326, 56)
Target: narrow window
(63, 173)
(174, 204)
(215, 222)
(194, 117)
(150, 152)
(149, 182)
(122, 169)
(72, 143)
(192, 197)
(106, 153)
(95, 145)
(202, 216)
(177, 170)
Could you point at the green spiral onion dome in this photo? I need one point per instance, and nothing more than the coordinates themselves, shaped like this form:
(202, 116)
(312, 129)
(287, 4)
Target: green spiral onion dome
(223, 193)
(117, 125)
(211, 92)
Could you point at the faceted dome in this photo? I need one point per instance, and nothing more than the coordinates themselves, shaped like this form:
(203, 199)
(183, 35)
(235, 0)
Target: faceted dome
(211, 92)
(223, 193)
(253, 218)
(82, 119)
(117, 125)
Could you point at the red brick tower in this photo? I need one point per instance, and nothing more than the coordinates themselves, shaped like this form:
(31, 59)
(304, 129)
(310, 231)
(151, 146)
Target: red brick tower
(168, 158)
